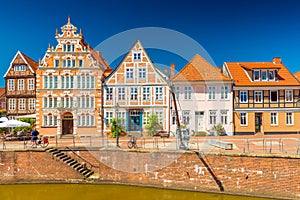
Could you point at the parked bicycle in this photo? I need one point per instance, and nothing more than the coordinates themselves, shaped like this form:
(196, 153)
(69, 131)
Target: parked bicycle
(41, 141)
(132, 142)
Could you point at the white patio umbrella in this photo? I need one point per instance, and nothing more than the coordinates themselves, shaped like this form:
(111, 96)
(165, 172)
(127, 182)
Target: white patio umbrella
(14, 123)
(3, 119)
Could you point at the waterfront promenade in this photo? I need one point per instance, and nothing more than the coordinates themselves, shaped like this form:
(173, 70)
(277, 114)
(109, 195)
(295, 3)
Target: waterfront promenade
(251, 144)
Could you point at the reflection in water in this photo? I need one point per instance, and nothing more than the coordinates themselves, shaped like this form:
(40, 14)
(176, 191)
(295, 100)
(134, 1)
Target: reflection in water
(111, 192)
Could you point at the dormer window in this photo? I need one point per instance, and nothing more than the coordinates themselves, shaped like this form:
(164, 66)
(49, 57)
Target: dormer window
(256, 75)
(271, 75)
(264, 76)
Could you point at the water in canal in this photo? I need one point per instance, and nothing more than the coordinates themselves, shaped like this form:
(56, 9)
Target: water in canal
(111, 192)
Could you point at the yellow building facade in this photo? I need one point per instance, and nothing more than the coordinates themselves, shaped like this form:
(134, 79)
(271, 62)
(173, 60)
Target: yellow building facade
(69, 86)
(266, 97)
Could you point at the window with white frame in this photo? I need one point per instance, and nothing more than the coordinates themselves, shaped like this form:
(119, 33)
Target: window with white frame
(108, 117)
(142, 73)
(56, 63)
(224, 117)
(67, 102)
(243, 96)
(129, 73)
(31, 104)
(85, 82)
(264, 75)
(31, 84)
(20, 84)
(67, 82)
(21, 104)
(177, 92)
(121, 94)
(212, 92)
(186, 117)
(50, 102)
(243, 119)
(224, 92)
(49, 120)
(121, 118)
(19, 68)
(146, 94)
(258, 96)
(68, 63)
(109, 94)
(86, 120)
(274, 118)
(289, 96)
(68, 47)
(160, 116)
(271, 75)
(80, 63)
(12, 104)
(86, 102)
(187, 93)
(159, 93)
(212, 117)
(289, 118)
(136, 56)
(274, 96)
(256, 75)
(45, 81)
(11, 84)
(134, 94)
(145, 116)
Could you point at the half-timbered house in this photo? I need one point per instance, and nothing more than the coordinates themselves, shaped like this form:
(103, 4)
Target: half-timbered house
(266, 97)
(20, 86)
(135, 90)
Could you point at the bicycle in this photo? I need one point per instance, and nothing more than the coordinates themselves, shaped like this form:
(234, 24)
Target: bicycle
(41, 141)
(132, 143)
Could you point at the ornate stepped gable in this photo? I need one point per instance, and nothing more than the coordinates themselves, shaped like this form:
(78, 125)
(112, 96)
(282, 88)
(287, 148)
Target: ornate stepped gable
(69, 85)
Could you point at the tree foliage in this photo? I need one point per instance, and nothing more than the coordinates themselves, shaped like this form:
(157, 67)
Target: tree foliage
(152, 125)
(115, 126)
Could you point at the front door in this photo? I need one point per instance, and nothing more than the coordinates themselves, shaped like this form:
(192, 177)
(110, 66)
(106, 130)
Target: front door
(134, 121)
(258, 122)
(199, 121)
(67, 124)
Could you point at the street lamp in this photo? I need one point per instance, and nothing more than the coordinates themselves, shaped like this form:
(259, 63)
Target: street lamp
(117, 127)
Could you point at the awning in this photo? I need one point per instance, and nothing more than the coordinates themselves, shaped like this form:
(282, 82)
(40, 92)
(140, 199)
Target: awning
(32, 116)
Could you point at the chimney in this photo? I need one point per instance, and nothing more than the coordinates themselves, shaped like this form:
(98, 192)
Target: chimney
(172, 70)
(277, 60)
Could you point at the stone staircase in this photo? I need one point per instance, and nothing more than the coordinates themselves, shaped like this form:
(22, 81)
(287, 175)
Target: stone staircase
(61, 156)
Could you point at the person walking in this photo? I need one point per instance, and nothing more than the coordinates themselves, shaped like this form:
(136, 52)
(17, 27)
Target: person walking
(34, 137)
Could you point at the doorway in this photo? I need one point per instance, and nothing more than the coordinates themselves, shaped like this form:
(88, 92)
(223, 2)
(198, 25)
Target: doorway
(134, 121)
(199, 121)
(67, 124)
(258, 122)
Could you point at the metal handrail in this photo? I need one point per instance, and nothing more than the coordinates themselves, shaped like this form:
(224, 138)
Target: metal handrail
(86, 161)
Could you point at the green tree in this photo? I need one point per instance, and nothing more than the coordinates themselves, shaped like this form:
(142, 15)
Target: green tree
(152, 125)
(115, 127)
(26, 129)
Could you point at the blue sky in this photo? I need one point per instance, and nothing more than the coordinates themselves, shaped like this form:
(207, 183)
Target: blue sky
(248, 30)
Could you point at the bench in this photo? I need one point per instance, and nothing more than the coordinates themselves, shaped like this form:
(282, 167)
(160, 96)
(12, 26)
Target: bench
(221, 144)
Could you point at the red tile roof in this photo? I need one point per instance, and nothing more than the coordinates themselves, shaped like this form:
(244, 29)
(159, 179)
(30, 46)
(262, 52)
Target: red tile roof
(241, 74)
(33, 64)
(198, 69)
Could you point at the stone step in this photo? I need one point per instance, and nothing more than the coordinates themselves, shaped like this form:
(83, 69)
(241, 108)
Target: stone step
(59, 154)
(89, 174)
(66, 158)
(82, 170)
(72, 163)
(86, 171)
(62, 156)
(55, 152)
(69, 161)
(76, 165)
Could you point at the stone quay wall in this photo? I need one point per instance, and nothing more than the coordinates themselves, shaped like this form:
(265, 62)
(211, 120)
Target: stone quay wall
(255, 175)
